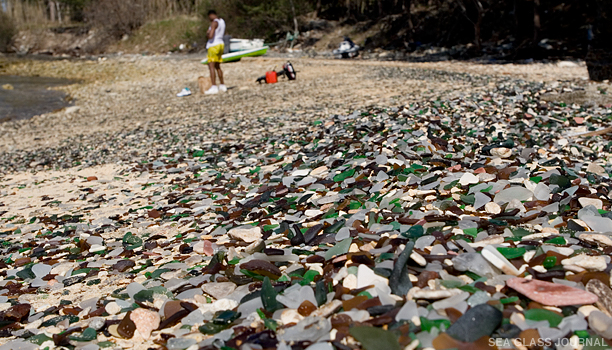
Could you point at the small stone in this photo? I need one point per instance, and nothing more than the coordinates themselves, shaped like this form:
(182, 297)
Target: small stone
(123, 264)
(171, 307)
(343, 234)
(603, 293)
(180, 343)
(492, 208)
(41, 270)
(154, 214)
(481, 199)
(92, 178)
(339, 249)
(126, 327)
(475, 263)
(601, 324)
(219, 290)
(435, 294)
(481, 320)
(17, 312)
(194, 318)
(146, 321)
(113, 330)
(541, 192)
(518, 193)
(204, 247)
(501, 152)
(290, 316)
(586, 201)
(468, 179)
(499, 261)
(478, 298)
(592, 263)
(552, 294)
(596, 238)
(112, 308)
(96, 323)
(352, 303)
(366, 277)
(596, 169)
(408, 312)
(306, 308)
(246, 233)
(454, 301)
(597, 223)
(262, 267)
(255, 247)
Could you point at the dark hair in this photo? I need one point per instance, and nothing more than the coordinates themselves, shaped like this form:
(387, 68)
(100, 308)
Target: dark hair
(212, 12)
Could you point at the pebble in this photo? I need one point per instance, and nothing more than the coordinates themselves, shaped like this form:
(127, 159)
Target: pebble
(247, 233)
(552, 294)
(601, 323)
(219, 290)
(146, 321)
(593, 263)
(585, 201)
(41, 270)
(603, 293)
(112, 308)
(479, 321)
(475, 263)
(492, 208)
(494, 257)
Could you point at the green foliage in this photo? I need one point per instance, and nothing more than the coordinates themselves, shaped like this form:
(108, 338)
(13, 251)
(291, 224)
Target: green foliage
(269, 19)
(77, 8)
(7, 32)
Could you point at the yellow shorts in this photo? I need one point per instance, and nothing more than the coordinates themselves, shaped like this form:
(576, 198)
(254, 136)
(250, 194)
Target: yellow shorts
(215, 52)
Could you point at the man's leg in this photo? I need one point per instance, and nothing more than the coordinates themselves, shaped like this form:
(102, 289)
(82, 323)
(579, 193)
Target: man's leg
(211, 67)
(219, 72)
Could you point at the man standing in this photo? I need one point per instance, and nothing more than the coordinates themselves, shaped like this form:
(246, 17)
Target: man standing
(215, 50)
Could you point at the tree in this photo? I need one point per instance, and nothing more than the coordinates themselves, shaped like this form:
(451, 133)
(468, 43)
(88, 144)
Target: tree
(477, 23)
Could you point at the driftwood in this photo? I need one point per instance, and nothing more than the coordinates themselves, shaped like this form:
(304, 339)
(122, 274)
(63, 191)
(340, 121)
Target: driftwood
(593, 133)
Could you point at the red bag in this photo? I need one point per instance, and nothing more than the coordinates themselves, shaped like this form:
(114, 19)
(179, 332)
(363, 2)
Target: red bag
(271, 77)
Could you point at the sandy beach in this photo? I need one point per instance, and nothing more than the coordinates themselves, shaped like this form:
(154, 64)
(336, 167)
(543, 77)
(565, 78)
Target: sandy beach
(302, 213)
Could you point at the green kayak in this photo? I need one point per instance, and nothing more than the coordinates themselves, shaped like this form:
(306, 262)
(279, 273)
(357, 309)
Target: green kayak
(236, 56)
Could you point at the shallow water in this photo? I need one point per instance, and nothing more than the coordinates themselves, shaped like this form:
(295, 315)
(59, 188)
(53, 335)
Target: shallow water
(30, 96)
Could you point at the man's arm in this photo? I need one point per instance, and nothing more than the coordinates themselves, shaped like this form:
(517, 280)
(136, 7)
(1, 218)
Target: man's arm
(213, 27)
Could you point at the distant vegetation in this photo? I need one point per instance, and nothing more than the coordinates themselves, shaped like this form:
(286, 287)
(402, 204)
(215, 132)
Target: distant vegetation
(512, 29)
(7, 31)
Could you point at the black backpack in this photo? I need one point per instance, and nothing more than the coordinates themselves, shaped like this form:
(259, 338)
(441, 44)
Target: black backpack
(289, 71)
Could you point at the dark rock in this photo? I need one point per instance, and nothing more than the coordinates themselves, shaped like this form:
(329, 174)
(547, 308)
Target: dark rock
(263, 268)
(127, 327)
(507, 331)
(399, 280)
(123, 265)
(477, 322)
(73, 280)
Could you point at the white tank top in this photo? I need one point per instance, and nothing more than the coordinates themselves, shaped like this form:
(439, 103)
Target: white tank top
(219, 32)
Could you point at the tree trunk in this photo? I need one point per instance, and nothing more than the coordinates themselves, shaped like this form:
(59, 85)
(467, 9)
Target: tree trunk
(478, 24)
(536, 21)
(295, 22)
(59, 12)
(318, 8)
(348, 8)
(380, 8)
(52, 11)
(406, 10)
